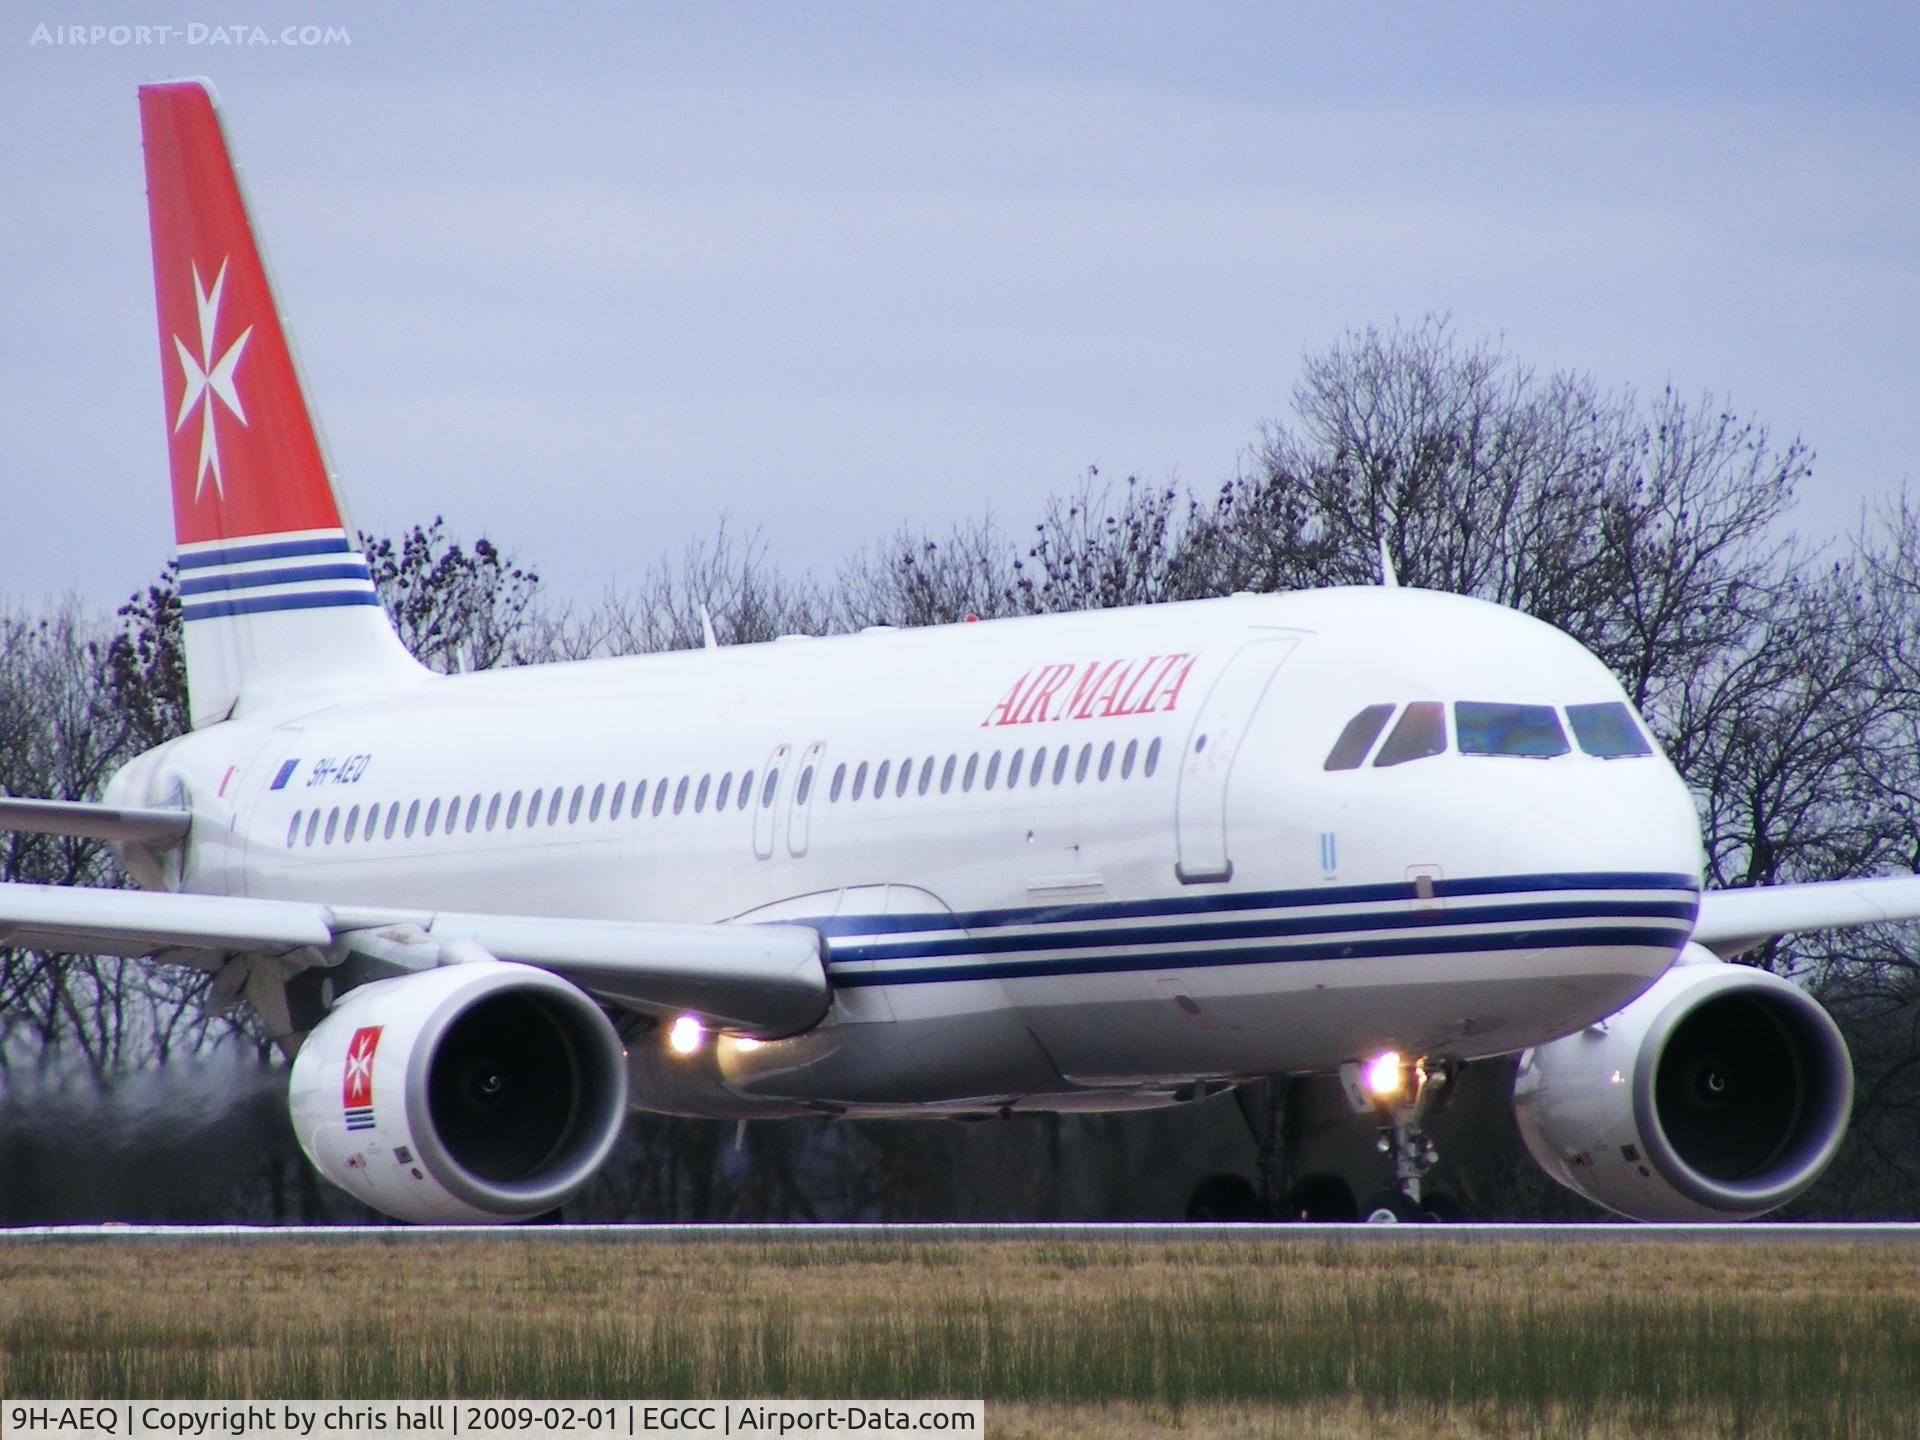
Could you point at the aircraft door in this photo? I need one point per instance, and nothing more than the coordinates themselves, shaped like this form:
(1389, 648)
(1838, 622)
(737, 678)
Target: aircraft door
(763, 802)
(1206, 765)
(811, 777)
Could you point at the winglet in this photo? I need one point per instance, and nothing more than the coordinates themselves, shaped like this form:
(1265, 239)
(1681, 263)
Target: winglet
(1388, 577)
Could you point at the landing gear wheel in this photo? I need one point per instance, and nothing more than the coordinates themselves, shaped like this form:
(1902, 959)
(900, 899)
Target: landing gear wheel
(1225, 1197)
(1322, 1199)
(1441, 1207)
(1390, 1207)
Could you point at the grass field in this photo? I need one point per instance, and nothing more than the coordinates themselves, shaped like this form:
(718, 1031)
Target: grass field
(1311, 1338)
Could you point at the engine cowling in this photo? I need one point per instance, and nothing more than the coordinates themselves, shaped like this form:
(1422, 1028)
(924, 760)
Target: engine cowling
(1720, 1094)
(482, 1092)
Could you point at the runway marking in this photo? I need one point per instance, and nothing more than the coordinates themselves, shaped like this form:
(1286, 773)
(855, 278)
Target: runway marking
(1150, 1233)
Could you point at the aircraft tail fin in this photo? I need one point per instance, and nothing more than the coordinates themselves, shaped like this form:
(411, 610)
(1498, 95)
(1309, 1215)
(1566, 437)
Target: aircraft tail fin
(276, 599)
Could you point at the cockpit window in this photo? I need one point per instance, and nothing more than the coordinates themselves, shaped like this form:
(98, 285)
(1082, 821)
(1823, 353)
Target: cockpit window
(1607, 731)
(1422, 731)
(1529, 730)
(1354, 742)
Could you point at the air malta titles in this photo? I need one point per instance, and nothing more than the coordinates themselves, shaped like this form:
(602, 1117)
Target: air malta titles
(1095, 690)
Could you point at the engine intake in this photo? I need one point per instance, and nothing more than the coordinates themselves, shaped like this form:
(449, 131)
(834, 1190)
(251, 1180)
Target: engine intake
(1721, 1093)
(484, 1091)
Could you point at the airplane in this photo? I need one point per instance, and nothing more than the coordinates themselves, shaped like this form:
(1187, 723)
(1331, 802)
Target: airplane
(1069, 863)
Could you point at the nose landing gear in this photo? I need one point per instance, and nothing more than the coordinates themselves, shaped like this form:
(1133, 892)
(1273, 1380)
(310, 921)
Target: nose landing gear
(1403, 1094)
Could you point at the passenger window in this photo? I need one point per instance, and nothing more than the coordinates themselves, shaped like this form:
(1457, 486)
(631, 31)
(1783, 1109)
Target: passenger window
(373, 821)
(619, 801)
(1153, 759)
(1106, 760)
(904, 778)
(1531, 731)
(966, 776)
(1357, 738)
(639, 799)
(393, 818)
(1080, 769)
(513, 810)
(859, 781)
(1126, 759)
(333, 823)
(353, 824)
(313, 826)
(413, 814)
(433, 817)
(946, 775)
(880, 778)
(926, 774)
(1039, 766)
(660, 796)
(1422, 731)
(493, 810)
(293, 829)
(770, 787)
(473, 814)
(554, 803)
(1607, 731)
(1060, 759)
(680, 793)
(839, 783)
(805, 787)
(593, 806)
(993, 771)
(746, 791)
(1014, 767)
(700, 794)
(573, 805)
(726, 789)
(533, 808)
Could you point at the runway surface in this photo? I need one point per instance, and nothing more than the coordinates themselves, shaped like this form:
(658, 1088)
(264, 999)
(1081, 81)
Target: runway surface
(1154, 1233)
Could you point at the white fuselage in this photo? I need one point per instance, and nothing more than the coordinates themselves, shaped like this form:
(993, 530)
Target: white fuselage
(1178, 891)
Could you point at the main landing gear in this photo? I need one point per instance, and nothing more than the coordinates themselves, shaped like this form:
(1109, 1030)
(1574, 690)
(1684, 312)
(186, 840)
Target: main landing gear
(1400, 1094)
(1403, 1094)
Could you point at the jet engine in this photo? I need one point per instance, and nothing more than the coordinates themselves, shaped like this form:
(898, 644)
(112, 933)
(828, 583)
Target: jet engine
(480, 1092)
(1720, 1094)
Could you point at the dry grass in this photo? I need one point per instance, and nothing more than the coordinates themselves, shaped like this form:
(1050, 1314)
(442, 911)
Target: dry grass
(1311, 1339)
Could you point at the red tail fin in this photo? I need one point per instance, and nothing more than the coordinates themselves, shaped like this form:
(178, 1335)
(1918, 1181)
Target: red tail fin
(276, 600)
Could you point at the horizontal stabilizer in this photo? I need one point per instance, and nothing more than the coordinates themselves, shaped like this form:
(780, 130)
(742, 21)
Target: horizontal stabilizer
(95, 822)
(1734, 921)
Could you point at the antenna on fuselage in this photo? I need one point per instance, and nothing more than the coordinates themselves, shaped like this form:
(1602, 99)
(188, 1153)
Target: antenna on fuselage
(706, 628)
(1387, 576)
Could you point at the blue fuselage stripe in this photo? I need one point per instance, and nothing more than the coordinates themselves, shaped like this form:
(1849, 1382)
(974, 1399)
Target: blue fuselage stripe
(1396, 948)
(1264, 929)
(1684, 889)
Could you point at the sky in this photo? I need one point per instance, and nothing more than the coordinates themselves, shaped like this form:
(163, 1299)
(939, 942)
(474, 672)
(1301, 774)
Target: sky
(587, 280)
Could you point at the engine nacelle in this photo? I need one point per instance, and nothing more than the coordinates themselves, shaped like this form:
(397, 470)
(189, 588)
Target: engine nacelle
(472, 1093)
(1720, 1094)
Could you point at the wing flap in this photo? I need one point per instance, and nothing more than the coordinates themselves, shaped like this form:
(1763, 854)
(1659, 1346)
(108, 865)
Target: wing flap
(1734, 921)
(139, 922)
(762, 979)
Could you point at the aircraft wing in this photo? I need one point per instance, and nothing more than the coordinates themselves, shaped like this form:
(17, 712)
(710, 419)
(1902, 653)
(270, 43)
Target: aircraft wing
(761, 979)
(1734, 921)
(99, 822)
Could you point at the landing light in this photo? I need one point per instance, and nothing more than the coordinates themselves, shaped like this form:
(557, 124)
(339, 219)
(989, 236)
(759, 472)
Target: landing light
(1383, 1075)
(685, 1034)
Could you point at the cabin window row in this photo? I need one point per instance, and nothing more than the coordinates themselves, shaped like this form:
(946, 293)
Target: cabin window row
(468, 814)
(403, 819)
(1042, 765)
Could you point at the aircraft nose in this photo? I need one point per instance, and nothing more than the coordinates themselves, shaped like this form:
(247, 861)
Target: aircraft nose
(1607, 817)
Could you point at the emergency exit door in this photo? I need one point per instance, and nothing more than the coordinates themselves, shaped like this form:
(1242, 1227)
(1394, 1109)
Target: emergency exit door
(1213, 745)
